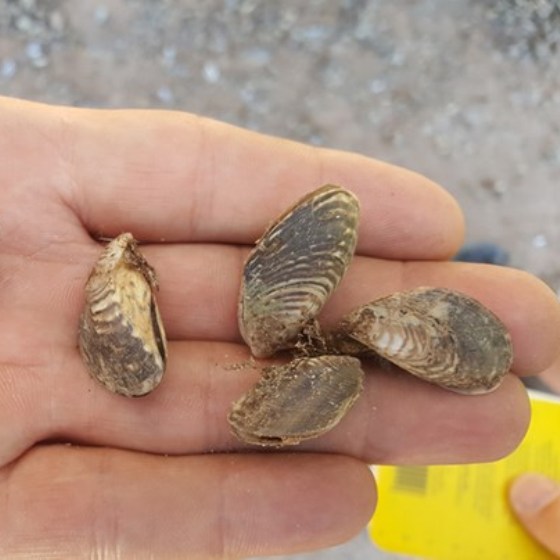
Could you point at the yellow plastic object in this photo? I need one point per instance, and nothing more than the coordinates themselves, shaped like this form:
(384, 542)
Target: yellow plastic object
(460, 512)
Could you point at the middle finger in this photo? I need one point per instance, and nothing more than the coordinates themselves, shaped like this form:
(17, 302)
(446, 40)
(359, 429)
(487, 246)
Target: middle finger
(199, 291)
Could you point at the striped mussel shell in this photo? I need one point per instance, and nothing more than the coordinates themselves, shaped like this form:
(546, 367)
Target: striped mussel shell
(439, 335)
(297, 401)
(295, 267)
(121, 336)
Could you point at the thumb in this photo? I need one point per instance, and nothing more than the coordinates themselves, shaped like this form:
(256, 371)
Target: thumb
(535, 500)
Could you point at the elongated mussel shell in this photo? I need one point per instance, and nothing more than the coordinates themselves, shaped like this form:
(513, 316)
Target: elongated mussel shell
(297, 401)
(441, 336)
(295, 267)
(121, 335)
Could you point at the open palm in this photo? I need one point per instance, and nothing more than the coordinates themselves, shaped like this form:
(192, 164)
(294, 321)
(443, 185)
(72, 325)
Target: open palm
(151, 477)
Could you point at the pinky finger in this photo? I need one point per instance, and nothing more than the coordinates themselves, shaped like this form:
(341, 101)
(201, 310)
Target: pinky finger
(72, 502)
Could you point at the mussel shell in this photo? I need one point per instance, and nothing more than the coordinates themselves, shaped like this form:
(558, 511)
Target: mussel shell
(295, 267)
(297, 401)
(441, 336)
(121, 336)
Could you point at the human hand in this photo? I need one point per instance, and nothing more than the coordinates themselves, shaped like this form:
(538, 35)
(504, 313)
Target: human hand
(156, 477)
(535, 500)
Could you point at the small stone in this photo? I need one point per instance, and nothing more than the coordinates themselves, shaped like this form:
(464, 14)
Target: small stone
(168, 56)
(36, 55)
(56, 22)
(24, 23)
(34, 50)
(378, 86)
(211, 72)
(165, 95)
(8, 68)
(256, 56)
(539, 241)
(101, 15)
(28, 5)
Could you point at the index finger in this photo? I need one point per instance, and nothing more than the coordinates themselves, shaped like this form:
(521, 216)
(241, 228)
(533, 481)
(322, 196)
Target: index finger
(169, 176)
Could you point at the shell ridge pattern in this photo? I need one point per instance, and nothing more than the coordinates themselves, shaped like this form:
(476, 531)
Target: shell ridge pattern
(122, 338)
(432, 333)
(438, 335)
(326, 385)
(295, 267)
(441, 336)
(452, 340)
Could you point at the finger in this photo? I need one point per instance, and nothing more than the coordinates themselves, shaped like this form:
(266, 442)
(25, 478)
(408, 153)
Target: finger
(200, 286)
(68, 502)
(398, 418)
(200, 291)
(535, 500)
(551, 377)
(525, 304)
(177, 177)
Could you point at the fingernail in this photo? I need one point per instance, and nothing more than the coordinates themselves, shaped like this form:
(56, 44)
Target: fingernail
(531, 492)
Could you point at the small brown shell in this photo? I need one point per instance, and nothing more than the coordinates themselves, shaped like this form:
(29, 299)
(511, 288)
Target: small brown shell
(295, 267)
(297, 401)
(121, 337)
(441, 336)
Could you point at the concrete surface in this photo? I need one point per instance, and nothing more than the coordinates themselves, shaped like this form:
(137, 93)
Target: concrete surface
(464, 91)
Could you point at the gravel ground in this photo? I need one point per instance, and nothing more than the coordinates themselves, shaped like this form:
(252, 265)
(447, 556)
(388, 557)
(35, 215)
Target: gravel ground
(464, 91)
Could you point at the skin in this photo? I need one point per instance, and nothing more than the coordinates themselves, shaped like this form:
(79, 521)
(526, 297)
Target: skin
(151, 477)
(535, 502)
(534, 498)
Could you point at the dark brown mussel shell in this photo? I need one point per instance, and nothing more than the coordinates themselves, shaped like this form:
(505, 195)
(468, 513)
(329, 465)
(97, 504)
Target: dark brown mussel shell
(297, 401)
(121, 336)
(295, 267)
(439, 335)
